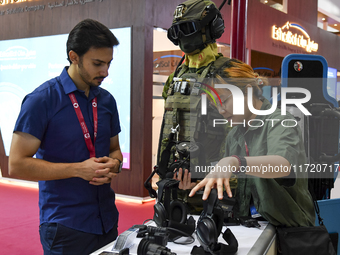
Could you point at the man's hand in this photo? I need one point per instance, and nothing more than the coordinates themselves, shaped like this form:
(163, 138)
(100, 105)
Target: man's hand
(108, 160)
(99, 170)
(185, 182)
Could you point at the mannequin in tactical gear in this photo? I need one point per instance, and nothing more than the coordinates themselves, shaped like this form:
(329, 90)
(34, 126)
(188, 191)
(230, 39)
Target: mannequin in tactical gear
(195, 27)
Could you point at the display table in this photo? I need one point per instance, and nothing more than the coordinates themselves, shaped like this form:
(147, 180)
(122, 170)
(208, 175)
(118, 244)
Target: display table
(252, 241)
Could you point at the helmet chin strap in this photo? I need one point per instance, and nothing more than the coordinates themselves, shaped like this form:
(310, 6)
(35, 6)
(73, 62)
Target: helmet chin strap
(204, 43)
(205, 36)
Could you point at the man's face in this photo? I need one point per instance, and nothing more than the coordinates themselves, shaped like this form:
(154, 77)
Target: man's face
(94, 65)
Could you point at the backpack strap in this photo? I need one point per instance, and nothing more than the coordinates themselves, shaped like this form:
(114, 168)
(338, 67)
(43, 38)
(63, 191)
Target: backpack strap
(218, 65)
(206, 70)
(183, 69)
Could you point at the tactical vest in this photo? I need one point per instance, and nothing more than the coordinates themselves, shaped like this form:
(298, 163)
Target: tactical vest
(184, 122)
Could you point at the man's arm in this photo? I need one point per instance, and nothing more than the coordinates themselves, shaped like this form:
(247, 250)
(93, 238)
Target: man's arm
(115, 151)
(23, 165)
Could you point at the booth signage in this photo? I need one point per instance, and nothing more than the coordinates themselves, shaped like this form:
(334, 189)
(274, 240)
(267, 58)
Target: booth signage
(3, 2)
(33, 8)
(302, 39)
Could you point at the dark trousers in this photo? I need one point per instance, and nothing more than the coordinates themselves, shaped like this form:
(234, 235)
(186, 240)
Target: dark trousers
(57, 239)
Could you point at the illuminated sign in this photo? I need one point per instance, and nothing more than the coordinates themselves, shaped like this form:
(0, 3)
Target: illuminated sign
(301, 40)
(3, 2)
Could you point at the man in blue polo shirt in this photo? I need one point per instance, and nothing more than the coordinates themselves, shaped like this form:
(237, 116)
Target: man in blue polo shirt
(72, 126)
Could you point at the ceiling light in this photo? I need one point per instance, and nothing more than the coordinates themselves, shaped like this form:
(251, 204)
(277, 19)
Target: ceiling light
(323, 19)
(335, 25)
(160, 29)
(265, 1)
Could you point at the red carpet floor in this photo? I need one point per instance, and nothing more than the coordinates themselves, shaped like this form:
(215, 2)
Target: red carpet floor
(19, 219)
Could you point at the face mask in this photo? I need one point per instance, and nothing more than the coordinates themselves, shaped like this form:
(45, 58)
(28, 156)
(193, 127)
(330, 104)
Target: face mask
(189, 44)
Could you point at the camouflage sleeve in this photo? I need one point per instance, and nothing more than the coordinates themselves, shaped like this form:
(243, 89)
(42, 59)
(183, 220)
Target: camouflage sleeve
(166, 86)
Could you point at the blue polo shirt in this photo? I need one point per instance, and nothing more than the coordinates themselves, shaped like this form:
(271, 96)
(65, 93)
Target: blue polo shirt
(47, 113)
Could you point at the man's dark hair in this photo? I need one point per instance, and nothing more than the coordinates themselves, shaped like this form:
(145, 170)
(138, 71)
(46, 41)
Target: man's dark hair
(87, 34)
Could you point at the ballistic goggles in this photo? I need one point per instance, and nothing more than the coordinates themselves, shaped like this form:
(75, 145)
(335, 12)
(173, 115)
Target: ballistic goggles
(186, 28)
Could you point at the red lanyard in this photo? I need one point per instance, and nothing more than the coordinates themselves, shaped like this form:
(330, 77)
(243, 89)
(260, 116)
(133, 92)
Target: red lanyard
(80, 116)
(247, 150)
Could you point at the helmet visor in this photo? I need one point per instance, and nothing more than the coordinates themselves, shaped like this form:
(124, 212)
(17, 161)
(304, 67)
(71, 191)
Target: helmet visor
(187, 28)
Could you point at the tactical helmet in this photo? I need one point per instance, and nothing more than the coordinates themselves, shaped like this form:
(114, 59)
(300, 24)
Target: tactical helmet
(196, 23)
